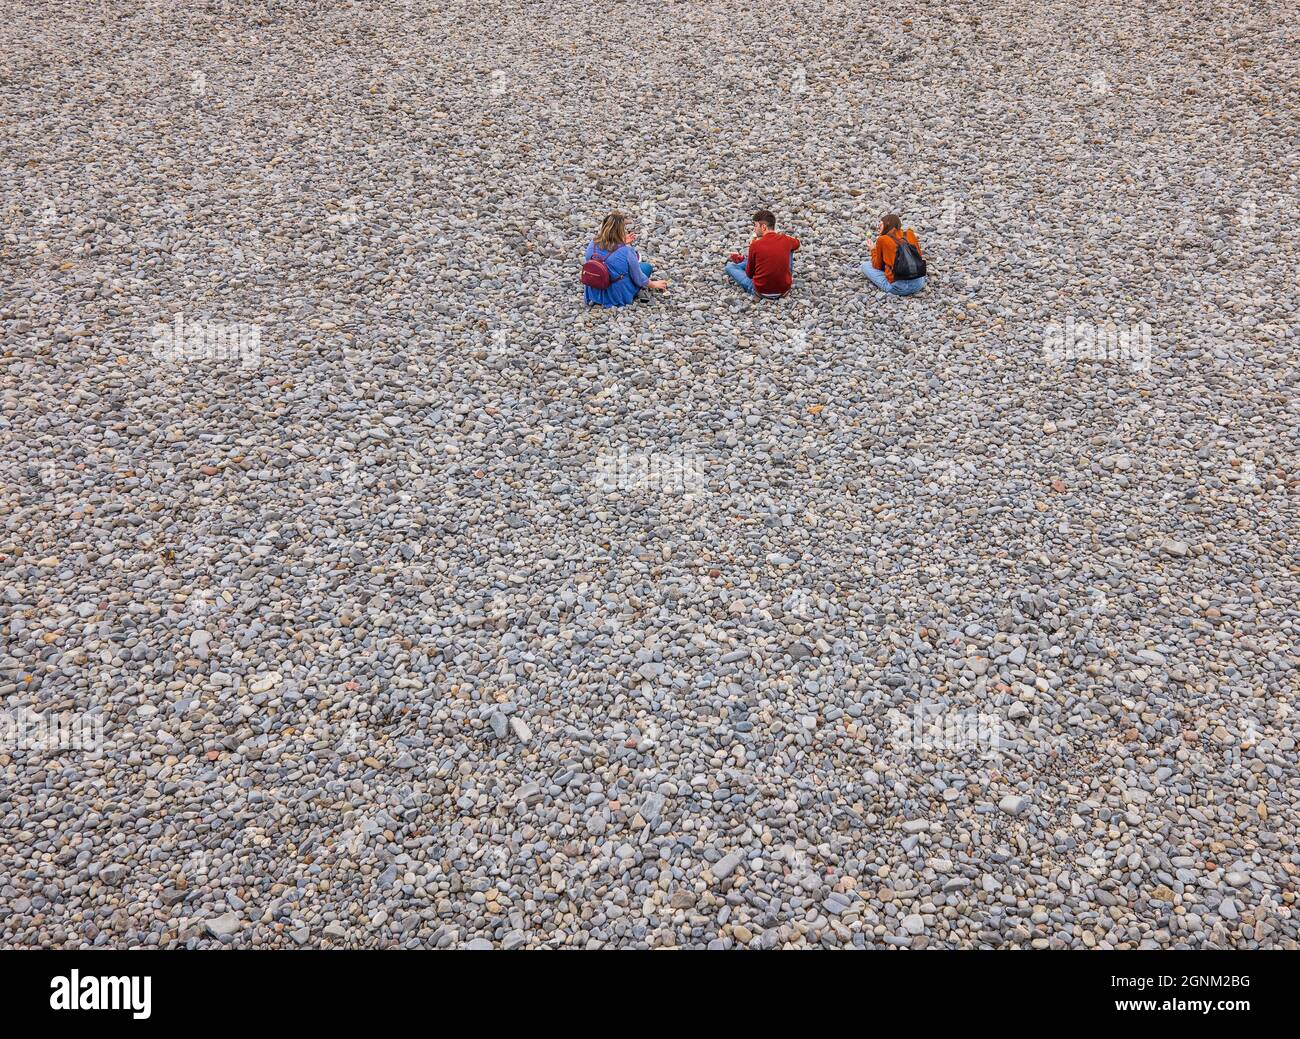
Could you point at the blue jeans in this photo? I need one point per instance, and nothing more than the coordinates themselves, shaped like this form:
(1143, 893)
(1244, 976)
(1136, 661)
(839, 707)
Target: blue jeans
(907, 287)
(737, 271)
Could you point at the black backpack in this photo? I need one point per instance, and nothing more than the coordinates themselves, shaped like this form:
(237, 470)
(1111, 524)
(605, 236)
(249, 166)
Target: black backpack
(907, 261)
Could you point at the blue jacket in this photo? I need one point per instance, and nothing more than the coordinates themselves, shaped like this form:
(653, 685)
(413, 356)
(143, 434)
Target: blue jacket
(625, 261)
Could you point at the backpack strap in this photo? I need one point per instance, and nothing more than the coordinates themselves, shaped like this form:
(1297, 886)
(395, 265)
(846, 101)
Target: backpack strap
(605, 259)
(899, 242)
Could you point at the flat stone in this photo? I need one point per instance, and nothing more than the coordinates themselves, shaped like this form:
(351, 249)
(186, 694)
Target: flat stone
(223, 925)
(521, 730)
(726, 865)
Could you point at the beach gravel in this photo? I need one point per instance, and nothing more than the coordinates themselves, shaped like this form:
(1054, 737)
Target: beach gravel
(360, 588)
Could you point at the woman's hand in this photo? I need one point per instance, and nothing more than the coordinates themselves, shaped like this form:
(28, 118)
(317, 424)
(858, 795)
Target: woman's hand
(629, 238)
(660, 284)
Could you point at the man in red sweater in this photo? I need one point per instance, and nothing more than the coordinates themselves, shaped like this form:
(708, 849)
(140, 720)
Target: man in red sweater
(769, 269)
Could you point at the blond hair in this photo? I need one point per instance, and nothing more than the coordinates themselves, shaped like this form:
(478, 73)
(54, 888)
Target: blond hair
(612, 233)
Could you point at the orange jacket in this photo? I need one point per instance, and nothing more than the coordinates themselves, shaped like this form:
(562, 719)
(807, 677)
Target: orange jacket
(886, 248)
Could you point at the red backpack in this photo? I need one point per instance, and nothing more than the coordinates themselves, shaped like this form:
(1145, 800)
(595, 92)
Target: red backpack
(595, 272)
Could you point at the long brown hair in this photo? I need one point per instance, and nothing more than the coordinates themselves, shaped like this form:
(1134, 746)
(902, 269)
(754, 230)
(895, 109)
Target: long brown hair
(612, 233)
(891, 222)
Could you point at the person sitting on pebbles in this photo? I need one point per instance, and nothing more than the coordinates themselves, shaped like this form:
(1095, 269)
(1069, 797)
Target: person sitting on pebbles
(896, 266)
(768, 270)
(613, 273)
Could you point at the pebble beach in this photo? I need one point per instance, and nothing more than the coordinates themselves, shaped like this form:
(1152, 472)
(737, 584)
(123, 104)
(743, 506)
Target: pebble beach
(361, 588)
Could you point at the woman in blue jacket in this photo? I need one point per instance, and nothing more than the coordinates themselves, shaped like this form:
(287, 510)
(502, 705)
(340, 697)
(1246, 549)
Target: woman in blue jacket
(628, 274)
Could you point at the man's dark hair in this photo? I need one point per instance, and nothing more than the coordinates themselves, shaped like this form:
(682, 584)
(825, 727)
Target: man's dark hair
(764, 216)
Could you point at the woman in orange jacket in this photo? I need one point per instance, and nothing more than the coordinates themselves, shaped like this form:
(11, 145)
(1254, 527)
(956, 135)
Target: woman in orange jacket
(909, 278)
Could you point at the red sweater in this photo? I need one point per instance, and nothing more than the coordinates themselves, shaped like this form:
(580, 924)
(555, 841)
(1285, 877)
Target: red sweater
(769, 263)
